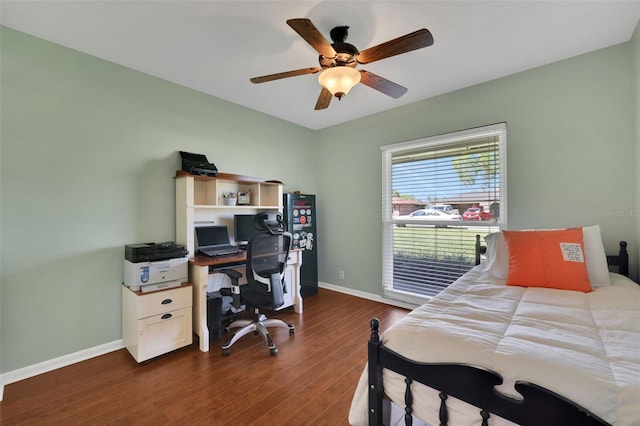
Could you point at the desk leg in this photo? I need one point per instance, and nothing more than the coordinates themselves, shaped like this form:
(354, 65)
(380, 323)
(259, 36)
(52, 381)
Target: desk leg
(297, 302)
(199, 276)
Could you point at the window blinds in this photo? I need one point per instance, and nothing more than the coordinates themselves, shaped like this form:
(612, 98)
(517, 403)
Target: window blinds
(424, 254)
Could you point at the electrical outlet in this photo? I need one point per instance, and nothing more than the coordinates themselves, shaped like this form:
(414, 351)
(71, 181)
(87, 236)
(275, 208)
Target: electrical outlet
(341, 275)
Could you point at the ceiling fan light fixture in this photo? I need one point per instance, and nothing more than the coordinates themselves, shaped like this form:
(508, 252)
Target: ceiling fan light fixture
(339, 80)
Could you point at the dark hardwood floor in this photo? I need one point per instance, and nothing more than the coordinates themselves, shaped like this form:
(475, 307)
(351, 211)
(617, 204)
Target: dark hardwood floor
(310, 381)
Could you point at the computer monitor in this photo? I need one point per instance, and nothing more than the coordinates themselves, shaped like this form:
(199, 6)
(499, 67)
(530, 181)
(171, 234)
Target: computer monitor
(243, 228)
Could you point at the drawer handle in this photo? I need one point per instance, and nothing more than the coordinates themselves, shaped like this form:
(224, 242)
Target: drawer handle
(166, 316)
(166, 301)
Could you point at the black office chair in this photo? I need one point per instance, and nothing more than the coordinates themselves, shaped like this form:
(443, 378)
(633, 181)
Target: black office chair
(267, 254)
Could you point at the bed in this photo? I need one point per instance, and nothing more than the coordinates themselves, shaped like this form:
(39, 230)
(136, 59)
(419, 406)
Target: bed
(490, 351)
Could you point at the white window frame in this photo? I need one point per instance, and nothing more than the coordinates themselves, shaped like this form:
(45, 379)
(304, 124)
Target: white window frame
(499, 130)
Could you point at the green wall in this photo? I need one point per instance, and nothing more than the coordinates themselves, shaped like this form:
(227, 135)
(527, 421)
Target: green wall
(89, 152)
(569, 151)
(635, 46)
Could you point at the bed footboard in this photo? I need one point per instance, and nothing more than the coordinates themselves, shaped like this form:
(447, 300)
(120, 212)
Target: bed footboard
(471, 384)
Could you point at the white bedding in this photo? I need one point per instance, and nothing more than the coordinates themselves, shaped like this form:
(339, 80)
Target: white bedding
(584, 346)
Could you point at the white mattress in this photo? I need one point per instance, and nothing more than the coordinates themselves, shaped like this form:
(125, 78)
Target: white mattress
(584, 346)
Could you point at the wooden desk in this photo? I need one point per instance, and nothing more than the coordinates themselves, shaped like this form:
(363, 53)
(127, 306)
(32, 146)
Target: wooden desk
(199, 278)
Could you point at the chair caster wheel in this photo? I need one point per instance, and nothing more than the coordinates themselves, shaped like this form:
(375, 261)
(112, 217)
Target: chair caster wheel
(292, 332)
(226, 352)
(273, 351)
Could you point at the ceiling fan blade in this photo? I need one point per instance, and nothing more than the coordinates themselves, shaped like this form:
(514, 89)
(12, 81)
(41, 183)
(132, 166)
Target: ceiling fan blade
(308, 31)
(382, 84)
(406, 43)
(278, 76)
(324, 99)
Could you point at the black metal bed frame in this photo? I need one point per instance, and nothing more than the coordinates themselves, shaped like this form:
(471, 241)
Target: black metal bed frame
(474, 385)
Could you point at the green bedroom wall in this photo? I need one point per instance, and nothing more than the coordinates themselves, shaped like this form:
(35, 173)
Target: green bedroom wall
(635, 47)
(89, 152)
(569, 150)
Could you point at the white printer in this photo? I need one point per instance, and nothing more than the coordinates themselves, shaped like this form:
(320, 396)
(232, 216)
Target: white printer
(151, 266)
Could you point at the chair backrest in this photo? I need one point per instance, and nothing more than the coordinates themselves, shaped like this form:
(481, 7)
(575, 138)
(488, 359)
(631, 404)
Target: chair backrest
(267, 256)
(270, 222)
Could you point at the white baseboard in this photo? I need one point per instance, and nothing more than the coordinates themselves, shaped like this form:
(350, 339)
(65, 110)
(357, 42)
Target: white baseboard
(365, 295)
(55, 363)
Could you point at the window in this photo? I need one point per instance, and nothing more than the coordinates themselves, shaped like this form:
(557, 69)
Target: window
(438, 194)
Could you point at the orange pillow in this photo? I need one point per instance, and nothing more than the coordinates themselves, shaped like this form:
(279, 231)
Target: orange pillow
(551, 259)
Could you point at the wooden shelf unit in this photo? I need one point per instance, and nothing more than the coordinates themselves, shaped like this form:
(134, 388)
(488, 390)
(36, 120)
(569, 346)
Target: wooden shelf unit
(199, 199)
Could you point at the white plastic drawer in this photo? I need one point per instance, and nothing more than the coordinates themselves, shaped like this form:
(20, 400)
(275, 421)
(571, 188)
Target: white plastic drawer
(164, 301)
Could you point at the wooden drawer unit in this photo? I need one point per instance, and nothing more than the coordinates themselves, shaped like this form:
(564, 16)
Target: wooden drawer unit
(156, 323)
(163, 301)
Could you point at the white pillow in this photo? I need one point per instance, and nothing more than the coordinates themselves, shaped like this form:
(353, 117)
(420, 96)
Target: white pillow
(498, 256)
(596, 258)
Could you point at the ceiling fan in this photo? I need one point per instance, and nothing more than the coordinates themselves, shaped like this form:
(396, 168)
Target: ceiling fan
(339, 59)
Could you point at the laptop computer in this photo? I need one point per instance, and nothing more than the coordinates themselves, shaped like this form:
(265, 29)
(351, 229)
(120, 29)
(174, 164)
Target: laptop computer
(214, 241)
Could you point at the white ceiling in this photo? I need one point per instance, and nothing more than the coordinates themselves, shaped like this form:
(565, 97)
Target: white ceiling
(216, 46)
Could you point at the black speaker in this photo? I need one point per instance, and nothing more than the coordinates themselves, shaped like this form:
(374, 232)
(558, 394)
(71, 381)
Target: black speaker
(214, 315)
